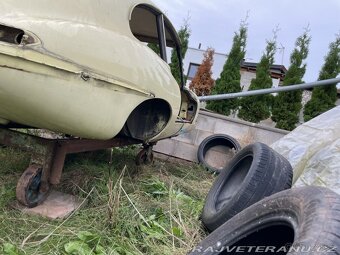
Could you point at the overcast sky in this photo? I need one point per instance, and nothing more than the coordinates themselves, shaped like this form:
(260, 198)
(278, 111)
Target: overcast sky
(214, 22)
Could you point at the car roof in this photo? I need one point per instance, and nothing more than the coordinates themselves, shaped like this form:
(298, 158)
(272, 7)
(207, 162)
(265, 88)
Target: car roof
(108, 14)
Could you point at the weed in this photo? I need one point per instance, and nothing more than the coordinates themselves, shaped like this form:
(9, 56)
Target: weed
(87, 243)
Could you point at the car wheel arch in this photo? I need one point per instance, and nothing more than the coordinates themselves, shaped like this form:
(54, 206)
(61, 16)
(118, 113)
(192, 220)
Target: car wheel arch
(148, 119)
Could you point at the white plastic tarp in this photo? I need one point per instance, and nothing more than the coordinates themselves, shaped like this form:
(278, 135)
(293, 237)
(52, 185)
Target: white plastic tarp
(313, 149)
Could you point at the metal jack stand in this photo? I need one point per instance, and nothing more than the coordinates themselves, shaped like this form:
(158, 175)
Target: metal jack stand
(47, 160)
(145, 156)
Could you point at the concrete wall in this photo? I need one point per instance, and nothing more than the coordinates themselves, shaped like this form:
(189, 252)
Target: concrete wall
(185, 145)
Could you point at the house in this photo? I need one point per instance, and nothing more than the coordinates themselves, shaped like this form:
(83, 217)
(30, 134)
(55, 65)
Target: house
(248, 72)
(194, 58)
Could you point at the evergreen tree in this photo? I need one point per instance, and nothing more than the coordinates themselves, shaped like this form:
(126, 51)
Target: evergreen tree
(155, 48)
(287, 105)
(183, 34)
(324, 98)
(257, 108)
(229, 81)
(202, 83)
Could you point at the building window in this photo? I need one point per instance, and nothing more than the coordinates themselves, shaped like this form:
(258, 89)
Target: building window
(192, 70)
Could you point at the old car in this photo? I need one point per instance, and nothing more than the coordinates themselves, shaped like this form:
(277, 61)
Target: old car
(84, 68)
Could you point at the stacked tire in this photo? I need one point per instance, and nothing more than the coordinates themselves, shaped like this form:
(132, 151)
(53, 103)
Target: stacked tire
(254, 173)
(296, 221)
(251, 209)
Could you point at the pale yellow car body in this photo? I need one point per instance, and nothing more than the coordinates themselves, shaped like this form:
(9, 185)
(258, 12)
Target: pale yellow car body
(85, 72)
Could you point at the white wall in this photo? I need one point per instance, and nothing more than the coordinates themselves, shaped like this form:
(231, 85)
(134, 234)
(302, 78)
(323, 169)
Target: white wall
(246, 78)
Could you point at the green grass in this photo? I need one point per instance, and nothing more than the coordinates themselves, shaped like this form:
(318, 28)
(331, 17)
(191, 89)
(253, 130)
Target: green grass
(150, 210)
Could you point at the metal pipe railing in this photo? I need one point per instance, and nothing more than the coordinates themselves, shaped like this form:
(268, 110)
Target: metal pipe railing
(270, 91)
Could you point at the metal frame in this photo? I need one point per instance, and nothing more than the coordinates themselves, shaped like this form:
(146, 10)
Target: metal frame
(161, 36)
(51, 153)
(269, 91)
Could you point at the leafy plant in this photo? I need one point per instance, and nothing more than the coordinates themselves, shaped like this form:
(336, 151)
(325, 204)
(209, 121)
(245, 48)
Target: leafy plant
(193, 206)
(155, 188)
(10, 249)
(87, 244)
(153, 228)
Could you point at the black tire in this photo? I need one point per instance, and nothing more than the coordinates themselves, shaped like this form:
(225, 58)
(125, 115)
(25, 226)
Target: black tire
(286, 175)
(212, 141)
(282, 177)
(253, 174)
(296, 221)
